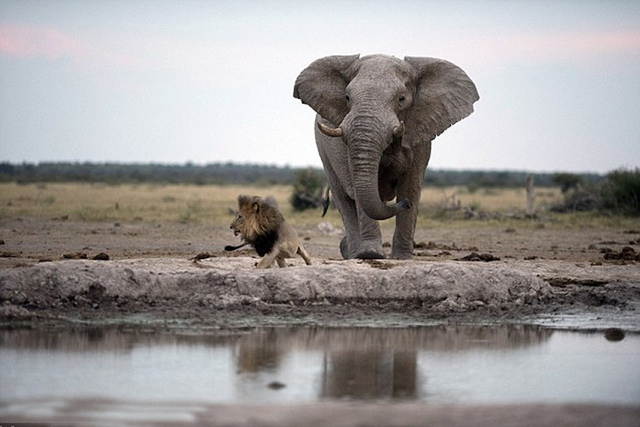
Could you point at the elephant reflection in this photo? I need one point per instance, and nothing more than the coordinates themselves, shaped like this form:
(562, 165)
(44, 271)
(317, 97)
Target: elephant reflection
(371, 374)
(369, 363)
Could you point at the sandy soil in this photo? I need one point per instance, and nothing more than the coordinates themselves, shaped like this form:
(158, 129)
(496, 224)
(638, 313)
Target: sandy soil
(339, 414)
(28, 241)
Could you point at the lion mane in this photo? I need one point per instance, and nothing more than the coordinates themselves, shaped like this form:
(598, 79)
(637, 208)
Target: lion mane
(262, 225)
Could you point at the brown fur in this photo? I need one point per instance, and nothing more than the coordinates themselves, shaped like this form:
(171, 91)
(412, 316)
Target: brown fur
(263, 226)
(255, 218)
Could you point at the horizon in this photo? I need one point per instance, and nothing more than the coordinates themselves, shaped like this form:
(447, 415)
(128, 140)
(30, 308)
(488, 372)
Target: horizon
(286, 166)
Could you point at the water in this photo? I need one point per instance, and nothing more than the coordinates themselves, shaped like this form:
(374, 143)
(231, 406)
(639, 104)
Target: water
(443, 364)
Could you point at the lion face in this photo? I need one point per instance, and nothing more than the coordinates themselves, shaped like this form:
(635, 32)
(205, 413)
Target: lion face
(238, 224)
(255, 219)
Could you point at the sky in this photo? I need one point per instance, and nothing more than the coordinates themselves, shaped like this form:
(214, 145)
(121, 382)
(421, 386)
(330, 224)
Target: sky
(177, 81)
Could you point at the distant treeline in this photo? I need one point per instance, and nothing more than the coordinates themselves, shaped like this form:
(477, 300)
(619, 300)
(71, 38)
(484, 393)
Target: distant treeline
(232, 173)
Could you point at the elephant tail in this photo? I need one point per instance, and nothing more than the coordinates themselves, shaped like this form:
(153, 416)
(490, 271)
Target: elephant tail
(326, 199)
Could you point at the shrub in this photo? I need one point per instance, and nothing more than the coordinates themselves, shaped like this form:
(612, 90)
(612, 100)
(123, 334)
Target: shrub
(621, 192)
(307, 189)
(567, 181)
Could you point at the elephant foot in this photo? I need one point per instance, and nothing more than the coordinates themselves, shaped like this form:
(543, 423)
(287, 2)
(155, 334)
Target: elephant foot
(344, 247)
(365, 251)
(370, 254)
(403, 255)
(402, 251)
(370, 251)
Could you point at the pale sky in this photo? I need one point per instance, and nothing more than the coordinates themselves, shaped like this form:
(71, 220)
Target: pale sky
(175, 81)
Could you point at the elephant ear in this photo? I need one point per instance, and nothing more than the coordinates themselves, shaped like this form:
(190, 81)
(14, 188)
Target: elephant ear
(445, 95)
(322, 86)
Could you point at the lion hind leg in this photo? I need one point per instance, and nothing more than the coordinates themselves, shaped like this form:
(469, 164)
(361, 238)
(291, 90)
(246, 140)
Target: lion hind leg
(304, 254)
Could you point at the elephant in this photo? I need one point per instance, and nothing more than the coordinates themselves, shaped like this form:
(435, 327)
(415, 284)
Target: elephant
(376, 118)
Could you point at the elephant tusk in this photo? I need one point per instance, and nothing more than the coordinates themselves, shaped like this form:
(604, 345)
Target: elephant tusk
(336, 133)
(398, 131)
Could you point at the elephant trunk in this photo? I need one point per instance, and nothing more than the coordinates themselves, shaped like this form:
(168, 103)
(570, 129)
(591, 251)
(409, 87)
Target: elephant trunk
(366, 144)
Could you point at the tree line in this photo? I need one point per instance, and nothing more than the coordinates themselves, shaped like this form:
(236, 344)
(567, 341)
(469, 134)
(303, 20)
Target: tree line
(253, 174)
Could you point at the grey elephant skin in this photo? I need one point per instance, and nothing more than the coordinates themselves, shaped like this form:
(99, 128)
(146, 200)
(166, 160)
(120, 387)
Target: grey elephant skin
(377, 116)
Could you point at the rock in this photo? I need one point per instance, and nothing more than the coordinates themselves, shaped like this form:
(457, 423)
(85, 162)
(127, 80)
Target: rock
(102, 256)
(74, 255)
(327, 229)
(474, 256)
(627, 253)
(614, 334)
(276, 385)
(221, 282)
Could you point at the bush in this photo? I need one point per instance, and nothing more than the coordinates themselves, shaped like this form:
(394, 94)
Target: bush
(567, 181)
(307, 189)
(578, 200)
(621, 192)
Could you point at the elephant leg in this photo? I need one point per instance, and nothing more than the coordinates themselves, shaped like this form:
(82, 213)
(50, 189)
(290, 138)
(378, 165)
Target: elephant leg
(370, 238)
(402, 247)
(351, 241)
(333, 154)
(410, 188)
(363, 238)
(344, 247)
(347, 208)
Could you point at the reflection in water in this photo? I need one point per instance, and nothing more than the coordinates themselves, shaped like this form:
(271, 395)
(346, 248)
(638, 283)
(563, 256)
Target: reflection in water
(366, 363)
(445, 364)
(260, 352)
(365, 375)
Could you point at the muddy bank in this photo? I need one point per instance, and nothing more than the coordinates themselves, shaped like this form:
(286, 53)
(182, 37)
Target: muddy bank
(220, 292)
(343, 414)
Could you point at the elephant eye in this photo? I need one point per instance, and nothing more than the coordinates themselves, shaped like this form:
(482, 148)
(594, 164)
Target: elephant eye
(401, 98)
(347, 98)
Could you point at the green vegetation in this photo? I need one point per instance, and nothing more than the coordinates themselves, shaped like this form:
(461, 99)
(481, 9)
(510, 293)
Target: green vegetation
(618, 193)
(567, 181)
(243, 174)
(472, 193)
(307, 189)
(118, 173)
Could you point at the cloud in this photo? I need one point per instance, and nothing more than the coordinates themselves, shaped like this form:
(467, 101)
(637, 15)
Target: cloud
(573, 45)
(52, 43)
(207, 62)
(33, 41)
(492, 53)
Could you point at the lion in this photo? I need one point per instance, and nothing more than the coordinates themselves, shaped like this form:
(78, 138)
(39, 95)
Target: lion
(262, 225)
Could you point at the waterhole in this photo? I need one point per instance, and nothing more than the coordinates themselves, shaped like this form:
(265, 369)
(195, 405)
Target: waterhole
(441, 364)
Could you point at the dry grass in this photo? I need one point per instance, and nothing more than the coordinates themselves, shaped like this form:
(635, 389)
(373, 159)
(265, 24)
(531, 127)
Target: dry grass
(488, 199)
(100, 202)
(211, 204)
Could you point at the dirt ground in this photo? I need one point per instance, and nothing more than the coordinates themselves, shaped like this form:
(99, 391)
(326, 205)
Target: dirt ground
(27, 241)
(593, 272)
